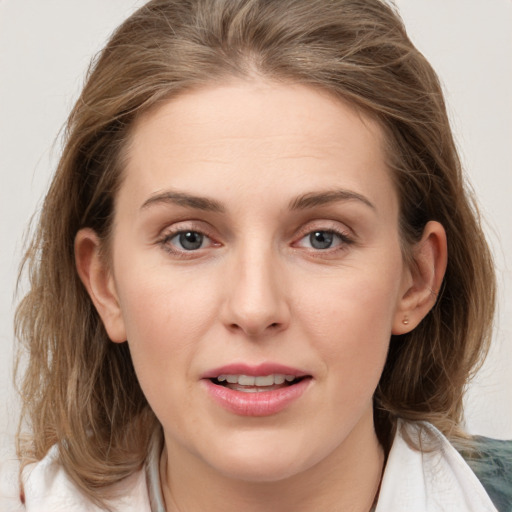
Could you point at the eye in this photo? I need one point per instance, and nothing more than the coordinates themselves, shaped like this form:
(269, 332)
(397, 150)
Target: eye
(321, 240)
(188, 240)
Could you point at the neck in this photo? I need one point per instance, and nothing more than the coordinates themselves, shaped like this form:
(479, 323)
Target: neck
(347, 479)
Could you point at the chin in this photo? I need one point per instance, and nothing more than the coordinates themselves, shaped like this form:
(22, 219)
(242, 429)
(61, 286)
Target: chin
(264, 460)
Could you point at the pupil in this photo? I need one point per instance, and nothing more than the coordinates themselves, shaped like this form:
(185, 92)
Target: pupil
(191, 240)
(321, 239)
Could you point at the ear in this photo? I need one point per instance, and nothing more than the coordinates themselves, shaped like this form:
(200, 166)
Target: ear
(423, 280)
(97, 278)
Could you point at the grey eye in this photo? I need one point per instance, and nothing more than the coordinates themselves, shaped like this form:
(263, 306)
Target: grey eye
(189, 240)
(321, 239)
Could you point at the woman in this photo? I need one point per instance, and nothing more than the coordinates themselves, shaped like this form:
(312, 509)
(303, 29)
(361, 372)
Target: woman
(258, 281)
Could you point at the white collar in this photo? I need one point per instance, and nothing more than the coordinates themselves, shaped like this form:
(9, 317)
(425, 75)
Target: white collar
(436, 479)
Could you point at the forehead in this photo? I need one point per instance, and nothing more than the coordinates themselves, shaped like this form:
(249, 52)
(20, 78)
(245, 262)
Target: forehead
(245, 134)
(241, 109)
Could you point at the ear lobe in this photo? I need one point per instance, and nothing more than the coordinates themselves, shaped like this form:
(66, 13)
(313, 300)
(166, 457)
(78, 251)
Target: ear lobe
(97, 278)
(424, 281)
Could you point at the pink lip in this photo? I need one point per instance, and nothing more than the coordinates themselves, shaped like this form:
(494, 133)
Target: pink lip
(262, 403)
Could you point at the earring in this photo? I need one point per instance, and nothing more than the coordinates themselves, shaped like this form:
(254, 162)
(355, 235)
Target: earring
(405, 321)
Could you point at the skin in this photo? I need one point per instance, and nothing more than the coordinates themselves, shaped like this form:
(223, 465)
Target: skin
(258, 290)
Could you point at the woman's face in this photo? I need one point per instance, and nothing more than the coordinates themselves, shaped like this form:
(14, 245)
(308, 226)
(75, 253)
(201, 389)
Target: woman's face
(257, 274)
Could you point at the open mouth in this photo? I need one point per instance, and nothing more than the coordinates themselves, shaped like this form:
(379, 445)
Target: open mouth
(256, 384)
(256, 391)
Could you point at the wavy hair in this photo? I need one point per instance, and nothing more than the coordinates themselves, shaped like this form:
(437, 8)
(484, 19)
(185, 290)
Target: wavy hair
(79, 390)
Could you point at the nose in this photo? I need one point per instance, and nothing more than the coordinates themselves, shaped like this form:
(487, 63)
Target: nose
(255, 296)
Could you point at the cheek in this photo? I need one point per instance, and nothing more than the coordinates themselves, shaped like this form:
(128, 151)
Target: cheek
(352, 303)
(351, 320)
(158, 299)
(166, 317)
(166, 321)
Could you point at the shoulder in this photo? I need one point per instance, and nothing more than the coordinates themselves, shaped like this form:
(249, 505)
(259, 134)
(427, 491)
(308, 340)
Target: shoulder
(491, 461)
(48, 488)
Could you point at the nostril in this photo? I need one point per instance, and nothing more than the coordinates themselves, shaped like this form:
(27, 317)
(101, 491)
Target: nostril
(256, 329)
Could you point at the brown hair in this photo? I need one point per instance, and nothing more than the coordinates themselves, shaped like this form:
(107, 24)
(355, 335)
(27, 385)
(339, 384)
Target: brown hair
(80, 390)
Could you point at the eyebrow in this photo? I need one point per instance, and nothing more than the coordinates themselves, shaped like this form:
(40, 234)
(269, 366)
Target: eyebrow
(183, 199)
(313, 199)
(302, 202)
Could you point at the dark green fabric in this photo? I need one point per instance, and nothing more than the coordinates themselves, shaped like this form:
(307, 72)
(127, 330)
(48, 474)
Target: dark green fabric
(491, 461)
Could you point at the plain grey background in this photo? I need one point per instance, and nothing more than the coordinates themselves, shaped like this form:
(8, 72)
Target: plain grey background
(45, 48)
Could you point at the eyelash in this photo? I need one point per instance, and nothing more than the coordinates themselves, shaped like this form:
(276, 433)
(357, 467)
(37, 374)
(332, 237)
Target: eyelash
(166, 239)
(345, 240)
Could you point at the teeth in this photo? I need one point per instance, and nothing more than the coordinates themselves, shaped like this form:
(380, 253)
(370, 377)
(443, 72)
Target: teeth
(279, 379)
(246, 380)
(260, 380)
(264, 381)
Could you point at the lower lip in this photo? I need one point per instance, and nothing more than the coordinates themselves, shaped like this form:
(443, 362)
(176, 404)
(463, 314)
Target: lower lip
(261, 403)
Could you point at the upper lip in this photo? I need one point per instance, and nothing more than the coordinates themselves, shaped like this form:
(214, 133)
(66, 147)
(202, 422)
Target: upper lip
(253, 370)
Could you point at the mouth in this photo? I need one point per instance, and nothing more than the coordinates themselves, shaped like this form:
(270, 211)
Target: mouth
(256, 383)
(261, 390)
